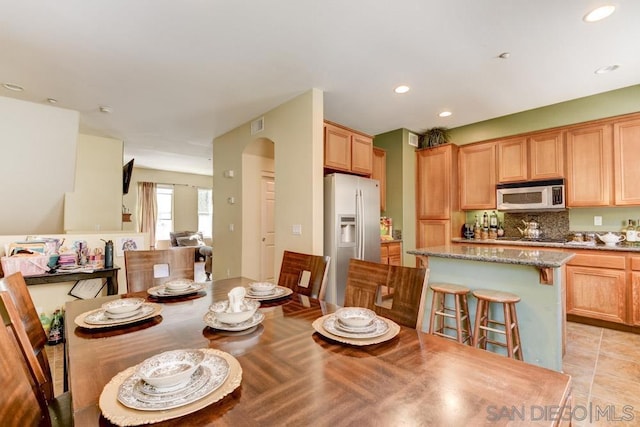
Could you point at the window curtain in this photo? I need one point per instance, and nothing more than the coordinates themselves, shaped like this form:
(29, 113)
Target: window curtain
(147, 210)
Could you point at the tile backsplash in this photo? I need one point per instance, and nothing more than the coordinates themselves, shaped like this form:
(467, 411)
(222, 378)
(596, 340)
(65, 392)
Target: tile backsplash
(553, 224)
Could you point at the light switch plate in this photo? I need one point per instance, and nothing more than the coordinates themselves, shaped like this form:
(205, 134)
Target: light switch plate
(296, 229)
(597, 220)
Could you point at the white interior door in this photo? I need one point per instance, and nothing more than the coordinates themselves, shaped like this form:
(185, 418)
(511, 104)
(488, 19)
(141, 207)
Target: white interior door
(267, 227)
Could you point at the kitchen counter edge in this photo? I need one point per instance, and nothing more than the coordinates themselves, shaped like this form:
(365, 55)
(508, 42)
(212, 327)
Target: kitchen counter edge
(598, 247)
(503, 255)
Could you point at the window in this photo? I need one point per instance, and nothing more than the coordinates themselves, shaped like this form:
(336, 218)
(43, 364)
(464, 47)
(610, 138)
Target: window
(205, 211)
(164, 224)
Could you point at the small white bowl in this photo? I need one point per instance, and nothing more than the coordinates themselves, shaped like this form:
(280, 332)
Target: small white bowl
(178, 284)
(223, 313)
(355, 317)
(170, 368)
(262, 287)
(123, 305)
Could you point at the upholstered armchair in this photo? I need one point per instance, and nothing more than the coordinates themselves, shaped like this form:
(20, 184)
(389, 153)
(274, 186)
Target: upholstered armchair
(195, 239)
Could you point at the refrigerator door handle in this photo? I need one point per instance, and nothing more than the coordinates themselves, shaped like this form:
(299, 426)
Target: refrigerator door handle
(359, 229)
(362, 223)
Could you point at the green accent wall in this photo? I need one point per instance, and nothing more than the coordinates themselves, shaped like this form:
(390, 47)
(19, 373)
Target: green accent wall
(607, 104)
(401, 207)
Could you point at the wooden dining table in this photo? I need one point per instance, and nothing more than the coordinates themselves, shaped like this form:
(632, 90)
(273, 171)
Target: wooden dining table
(292, 375)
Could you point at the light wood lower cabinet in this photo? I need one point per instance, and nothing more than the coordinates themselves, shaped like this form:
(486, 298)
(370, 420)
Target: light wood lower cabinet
(391, 253)
(597, 286)
(597, 293)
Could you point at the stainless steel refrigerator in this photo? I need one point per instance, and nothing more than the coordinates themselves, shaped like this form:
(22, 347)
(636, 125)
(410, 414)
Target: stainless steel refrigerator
(351, 227)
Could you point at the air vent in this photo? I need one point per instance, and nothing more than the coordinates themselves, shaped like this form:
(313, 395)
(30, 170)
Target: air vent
(257, 125)
(413, 139)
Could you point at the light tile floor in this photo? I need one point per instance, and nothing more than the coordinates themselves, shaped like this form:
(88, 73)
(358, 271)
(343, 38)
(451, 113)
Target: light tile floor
(604, 365)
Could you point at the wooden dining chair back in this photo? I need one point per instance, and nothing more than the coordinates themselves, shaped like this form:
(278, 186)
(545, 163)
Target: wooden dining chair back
(391, 291)
(18, 404)
(16, 286)
(146, 269)
(305, 274)
(50, 411)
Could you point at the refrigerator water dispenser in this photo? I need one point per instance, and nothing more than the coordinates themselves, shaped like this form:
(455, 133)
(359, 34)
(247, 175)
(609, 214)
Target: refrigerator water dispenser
(347, 230)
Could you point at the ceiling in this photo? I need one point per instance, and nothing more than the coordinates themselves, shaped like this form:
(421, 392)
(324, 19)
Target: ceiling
(177, 74)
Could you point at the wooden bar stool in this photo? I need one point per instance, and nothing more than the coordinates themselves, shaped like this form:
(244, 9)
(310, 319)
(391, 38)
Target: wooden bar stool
(440, 312)
(484, 322)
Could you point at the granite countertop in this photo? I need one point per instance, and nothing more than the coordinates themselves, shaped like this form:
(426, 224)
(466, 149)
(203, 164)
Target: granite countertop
(390, 241)
(505, 255)
(621, 247)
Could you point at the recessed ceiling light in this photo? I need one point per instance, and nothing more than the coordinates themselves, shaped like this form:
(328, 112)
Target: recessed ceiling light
(401, 89)
(504, 55)
(445, 114)
(599, 13)
(607, 69)
(52, 100)
(12, 87)
(105, 109)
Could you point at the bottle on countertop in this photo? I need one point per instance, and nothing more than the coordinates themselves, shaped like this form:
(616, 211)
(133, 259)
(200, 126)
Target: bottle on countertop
(476, 229)
(493, 225)
(485, 221)
(631, 233)
(108, 254)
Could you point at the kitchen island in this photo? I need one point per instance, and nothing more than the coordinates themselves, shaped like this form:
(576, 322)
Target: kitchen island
(536, 276)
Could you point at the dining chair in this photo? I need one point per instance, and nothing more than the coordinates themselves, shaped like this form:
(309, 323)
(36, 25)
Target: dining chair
(146, 269)
(305, 274)
(23, 399)
(392, 291)
(16, 286)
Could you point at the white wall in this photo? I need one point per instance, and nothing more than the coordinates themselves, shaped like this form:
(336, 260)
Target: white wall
(296, 128)
(38, 164)
(96, 203)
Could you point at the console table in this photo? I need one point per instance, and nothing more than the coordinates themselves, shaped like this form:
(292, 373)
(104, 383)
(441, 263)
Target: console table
(111, 274)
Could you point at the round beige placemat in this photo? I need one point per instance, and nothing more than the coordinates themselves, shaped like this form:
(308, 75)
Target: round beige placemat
(394, 329)
(79, 320)
(120, 415)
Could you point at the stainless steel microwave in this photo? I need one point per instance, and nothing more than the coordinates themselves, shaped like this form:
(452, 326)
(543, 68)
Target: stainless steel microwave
(531, 196)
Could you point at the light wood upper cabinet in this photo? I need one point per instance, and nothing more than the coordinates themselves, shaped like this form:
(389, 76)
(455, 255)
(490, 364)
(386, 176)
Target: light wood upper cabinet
(477, 171)
(546, 155)
(626, 156)
(512, 160)
(379, 172)
(437, 192)
(347, 150)
(589, 166)
(533, 157)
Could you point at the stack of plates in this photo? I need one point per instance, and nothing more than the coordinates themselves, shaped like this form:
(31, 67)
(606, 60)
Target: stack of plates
(123, 308)
(175, 291)
(264, 291)
(356, 322)
(219, 316)
(203, 374)
(129, 400)
(102, 318)
(356, 326)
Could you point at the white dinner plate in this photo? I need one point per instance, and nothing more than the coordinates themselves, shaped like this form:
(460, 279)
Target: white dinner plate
(163, 292)
(380, 327)
(279, 292)
(211, 321)
(394, 329)
(101, 317)
(121, 415)
(217, 367)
